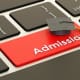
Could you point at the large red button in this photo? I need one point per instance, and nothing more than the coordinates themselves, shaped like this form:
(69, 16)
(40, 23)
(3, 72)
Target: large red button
(39, 45)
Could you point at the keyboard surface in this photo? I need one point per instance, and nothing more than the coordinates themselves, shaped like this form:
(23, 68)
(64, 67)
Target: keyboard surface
(28, 50)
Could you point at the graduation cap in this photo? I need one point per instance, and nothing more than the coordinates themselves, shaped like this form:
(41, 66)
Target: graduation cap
(60, 25)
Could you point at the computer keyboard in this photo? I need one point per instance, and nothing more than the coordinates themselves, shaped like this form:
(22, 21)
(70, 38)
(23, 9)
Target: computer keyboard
(29, 50)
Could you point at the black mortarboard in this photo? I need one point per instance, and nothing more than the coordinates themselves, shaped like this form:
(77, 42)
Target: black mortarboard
(61, 25)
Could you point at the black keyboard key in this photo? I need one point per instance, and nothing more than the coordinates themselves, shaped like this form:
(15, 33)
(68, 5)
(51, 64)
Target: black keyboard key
(36, 17)
(12, 4)
(7, 29)
(72, 6)
(66, 67)
(3, 67)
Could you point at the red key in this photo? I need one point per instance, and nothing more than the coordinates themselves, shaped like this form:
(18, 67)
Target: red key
(38, 46)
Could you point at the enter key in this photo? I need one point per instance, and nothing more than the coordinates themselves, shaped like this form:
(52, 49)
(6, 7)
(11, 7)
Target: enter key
(37, 46)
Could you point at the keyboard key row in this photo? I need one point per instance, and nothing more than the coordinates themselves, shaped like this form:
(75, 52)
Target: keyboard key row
(30, 18)
(11, 4)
